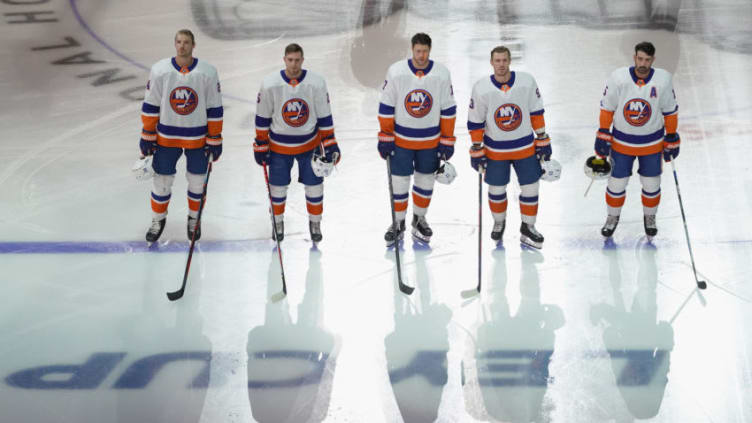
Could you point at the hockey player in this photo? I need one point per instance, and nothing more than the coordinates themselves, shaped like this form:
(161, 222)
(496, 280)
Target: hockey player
(640, 102)
(181, 114)
(416, 116)
(293, 120)
(507, 129)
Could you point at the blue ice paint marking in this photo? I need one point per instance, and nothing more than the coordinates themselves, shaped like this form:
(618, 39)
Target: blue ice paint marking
(104, 44)
(527, 368)
(114, 247)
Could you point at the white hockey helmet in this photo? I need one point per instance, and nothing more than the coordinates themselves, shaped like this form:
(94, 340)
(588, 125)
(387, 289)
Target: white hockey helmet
(320, 165)
(597, 168)
(142, 169)
(551, 170)
(446, 173)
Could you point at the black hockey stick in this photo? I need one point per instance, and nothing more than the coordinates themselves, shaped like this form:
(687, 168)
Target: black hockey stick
(472, 292)
(278, 296)
(407, 290)
(176, 295)
(700, 284)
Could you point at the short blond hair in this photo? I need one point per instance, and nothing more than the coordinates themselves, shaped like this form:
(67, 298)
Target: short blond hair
(501, 49)
(186, 32)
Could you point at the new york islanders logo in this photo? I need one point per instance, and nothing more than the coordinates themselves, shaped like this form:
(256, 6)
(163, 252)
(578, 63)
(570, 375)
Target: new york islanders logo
(508, 117)
(295, 112)
(418, 103)
(183, 100)
(637, 112)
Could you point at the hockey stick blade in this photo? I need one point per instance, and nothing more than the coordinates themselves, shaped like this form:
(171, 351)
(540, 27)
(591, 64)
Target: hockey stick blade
(279, 296)
(172, 296)
(470, 293)
(176, 295)
(407, 290)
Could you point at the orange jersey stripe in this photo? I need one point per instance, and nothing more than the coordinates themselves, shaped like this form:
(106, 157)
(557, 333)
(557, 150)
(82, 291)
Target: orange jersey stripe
(262, 134)
(326, 133)
(416, 145)
(476, 135)
(537, 122)
(283, 149)
(671, 122)
(447, 126)
(606, 119)
(511, 155)
(386, 124)
(637, 151)
(176, 142)
(150, 122)
(215, 127)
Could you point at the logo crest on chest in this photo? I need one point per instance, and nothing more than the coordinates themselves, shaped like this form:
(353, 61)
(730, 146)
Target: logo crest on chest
(418, 103)
(508, 117)
(183, 100)
(295, 112)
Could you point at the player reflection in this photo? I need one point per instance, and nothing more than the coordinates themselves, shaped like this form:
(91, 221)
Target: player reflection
(169, 380)
(513, 352)
(291, 365)
(638, 345)
(416, 351)
(381, 43)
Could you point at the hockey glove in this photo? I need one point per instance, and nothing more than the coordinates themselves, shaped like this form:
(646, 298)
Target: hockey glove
(478, 157)
(603, 140)
(332, 153)
(213, 147)
(386, 145)
(446, 147)
(671, 147)
(261, 152)
(543, 147)
(147, 147)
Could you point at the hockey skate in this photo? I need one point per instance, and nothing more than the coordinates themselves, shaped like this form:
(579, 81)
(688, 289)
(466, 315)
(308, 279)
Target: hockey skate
(529, 236)
(315, 229)
(392, 236)
(650, 227)
(155, 230)
(279, 229)
(498, 230)
(193, 225)
(610, 226)
(421, 231)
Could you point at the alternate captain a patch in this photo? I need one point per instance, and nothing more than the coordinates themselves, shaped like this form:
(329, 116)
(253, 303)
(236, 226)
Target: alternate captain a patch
(183, 100)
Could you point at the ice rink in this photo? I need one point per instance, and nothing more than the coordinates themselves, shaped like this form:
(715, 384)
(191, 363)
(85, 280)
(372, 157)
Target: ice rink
(580, 331)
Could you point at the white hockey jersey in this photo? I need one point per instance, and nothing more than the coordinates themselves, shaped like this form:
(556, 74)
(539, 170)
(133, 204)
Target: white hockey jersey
(182, 106)
(503, 116)
(639, 108)
(294, 115)
(417, 105)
